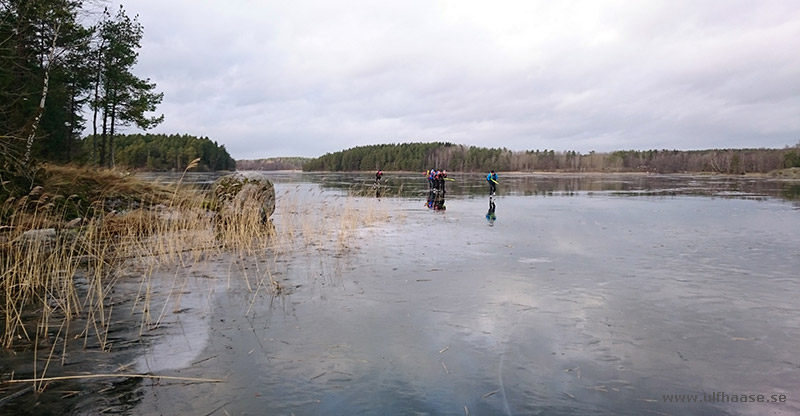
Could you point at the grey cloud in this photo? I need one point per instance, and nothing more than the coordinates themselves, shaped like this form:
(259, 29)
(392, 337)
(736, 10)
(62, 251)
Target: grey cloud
(305, 78)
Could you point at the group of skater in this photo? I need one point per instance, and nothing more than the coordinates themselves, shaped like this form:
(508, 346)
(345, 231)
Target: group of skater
(437, 190)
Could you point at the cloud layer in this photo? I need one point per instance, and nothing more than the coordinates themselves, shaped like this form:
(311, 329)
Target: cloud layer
(309, 77)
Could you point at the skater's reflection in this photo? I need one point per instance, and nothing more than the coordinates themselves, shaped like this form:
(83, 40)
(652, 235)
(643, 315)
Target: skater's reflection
(436, 199)
(490, 215)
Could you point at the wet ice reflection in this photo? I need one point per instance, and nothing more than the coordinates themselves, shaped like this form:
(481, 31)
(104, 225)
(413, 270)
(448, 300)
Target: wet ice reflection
(588, 304)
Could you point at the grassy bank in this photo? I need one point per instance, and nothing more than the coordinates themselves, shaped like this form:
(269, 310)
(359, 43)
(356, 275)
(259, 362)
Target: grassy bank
(64, 246)
(89, 223)
(76, 220)
(790, 173)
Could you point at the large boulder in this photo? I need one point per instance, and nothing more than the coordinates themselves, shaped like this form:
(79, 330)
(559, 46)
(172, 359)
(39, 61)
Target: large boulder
(239, 193)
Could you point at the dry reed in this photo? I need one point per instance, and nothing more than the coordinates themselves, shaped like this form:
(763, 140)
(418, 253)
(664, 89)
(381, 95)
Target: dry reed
(49, 281)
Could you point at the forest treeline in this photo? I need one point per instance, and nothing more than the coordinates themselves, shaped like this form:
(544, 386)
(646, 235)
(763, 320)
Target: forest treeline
(273, 163)
(440, 155)
(66, 66)
(160, 152)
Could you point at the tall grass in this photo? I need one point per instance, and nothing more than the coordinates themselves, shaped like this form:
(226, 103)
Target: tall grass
(49, 283)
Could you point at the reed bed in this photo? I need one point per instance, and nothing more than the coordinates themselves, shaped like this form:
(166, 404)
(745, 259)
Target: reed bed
(56, 281)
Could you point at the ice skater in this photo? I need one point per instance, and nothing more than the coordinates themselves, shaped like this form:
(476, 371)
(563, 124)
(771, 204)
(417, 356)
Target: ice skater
(492, 179)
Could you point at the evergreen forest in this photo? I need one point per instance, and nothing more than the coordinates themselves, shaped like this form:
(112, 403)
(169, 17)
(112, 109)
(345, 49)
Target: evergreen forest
(68, 89)
(160, 153)
(454, 157)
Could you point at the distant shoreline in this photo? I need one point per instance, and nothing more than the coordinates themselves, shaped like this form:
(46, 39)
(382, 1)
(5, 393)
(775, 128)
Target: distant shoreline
(790, 173)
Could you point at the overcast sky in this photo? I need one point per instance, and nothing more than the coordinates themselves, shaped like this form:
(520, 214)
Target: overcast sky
(303, 78)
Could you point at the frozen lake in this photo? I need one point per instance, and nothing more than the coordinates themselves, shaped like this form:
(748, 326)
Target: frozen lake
(588, 295)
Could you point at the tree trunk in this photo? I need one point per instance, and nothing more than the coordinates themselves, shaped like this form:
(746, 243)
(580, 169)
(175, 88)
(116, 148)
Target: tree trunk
(71, 127)
(45, 86)
(111, 131)
(96, 106)
(104, 137)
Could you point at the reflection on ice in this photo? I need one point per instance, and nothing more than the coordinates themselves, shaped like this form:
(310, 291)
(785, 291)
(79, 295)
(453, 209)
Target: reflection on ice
(182, 332)
(587, 305)
(592, 304)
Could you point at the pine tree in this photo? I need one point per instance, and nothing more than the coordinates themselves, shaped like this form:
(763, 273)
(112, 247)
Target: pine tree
(121, 98)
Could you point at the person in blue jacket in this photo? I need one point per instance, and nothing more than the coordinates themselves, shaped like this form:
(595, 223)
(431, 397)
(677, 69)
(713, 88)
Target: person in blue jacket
(492, 179)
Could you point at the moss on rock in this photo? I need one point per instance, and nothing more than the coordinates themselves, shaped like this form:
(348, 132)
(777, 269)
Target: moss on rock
(239, 192)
